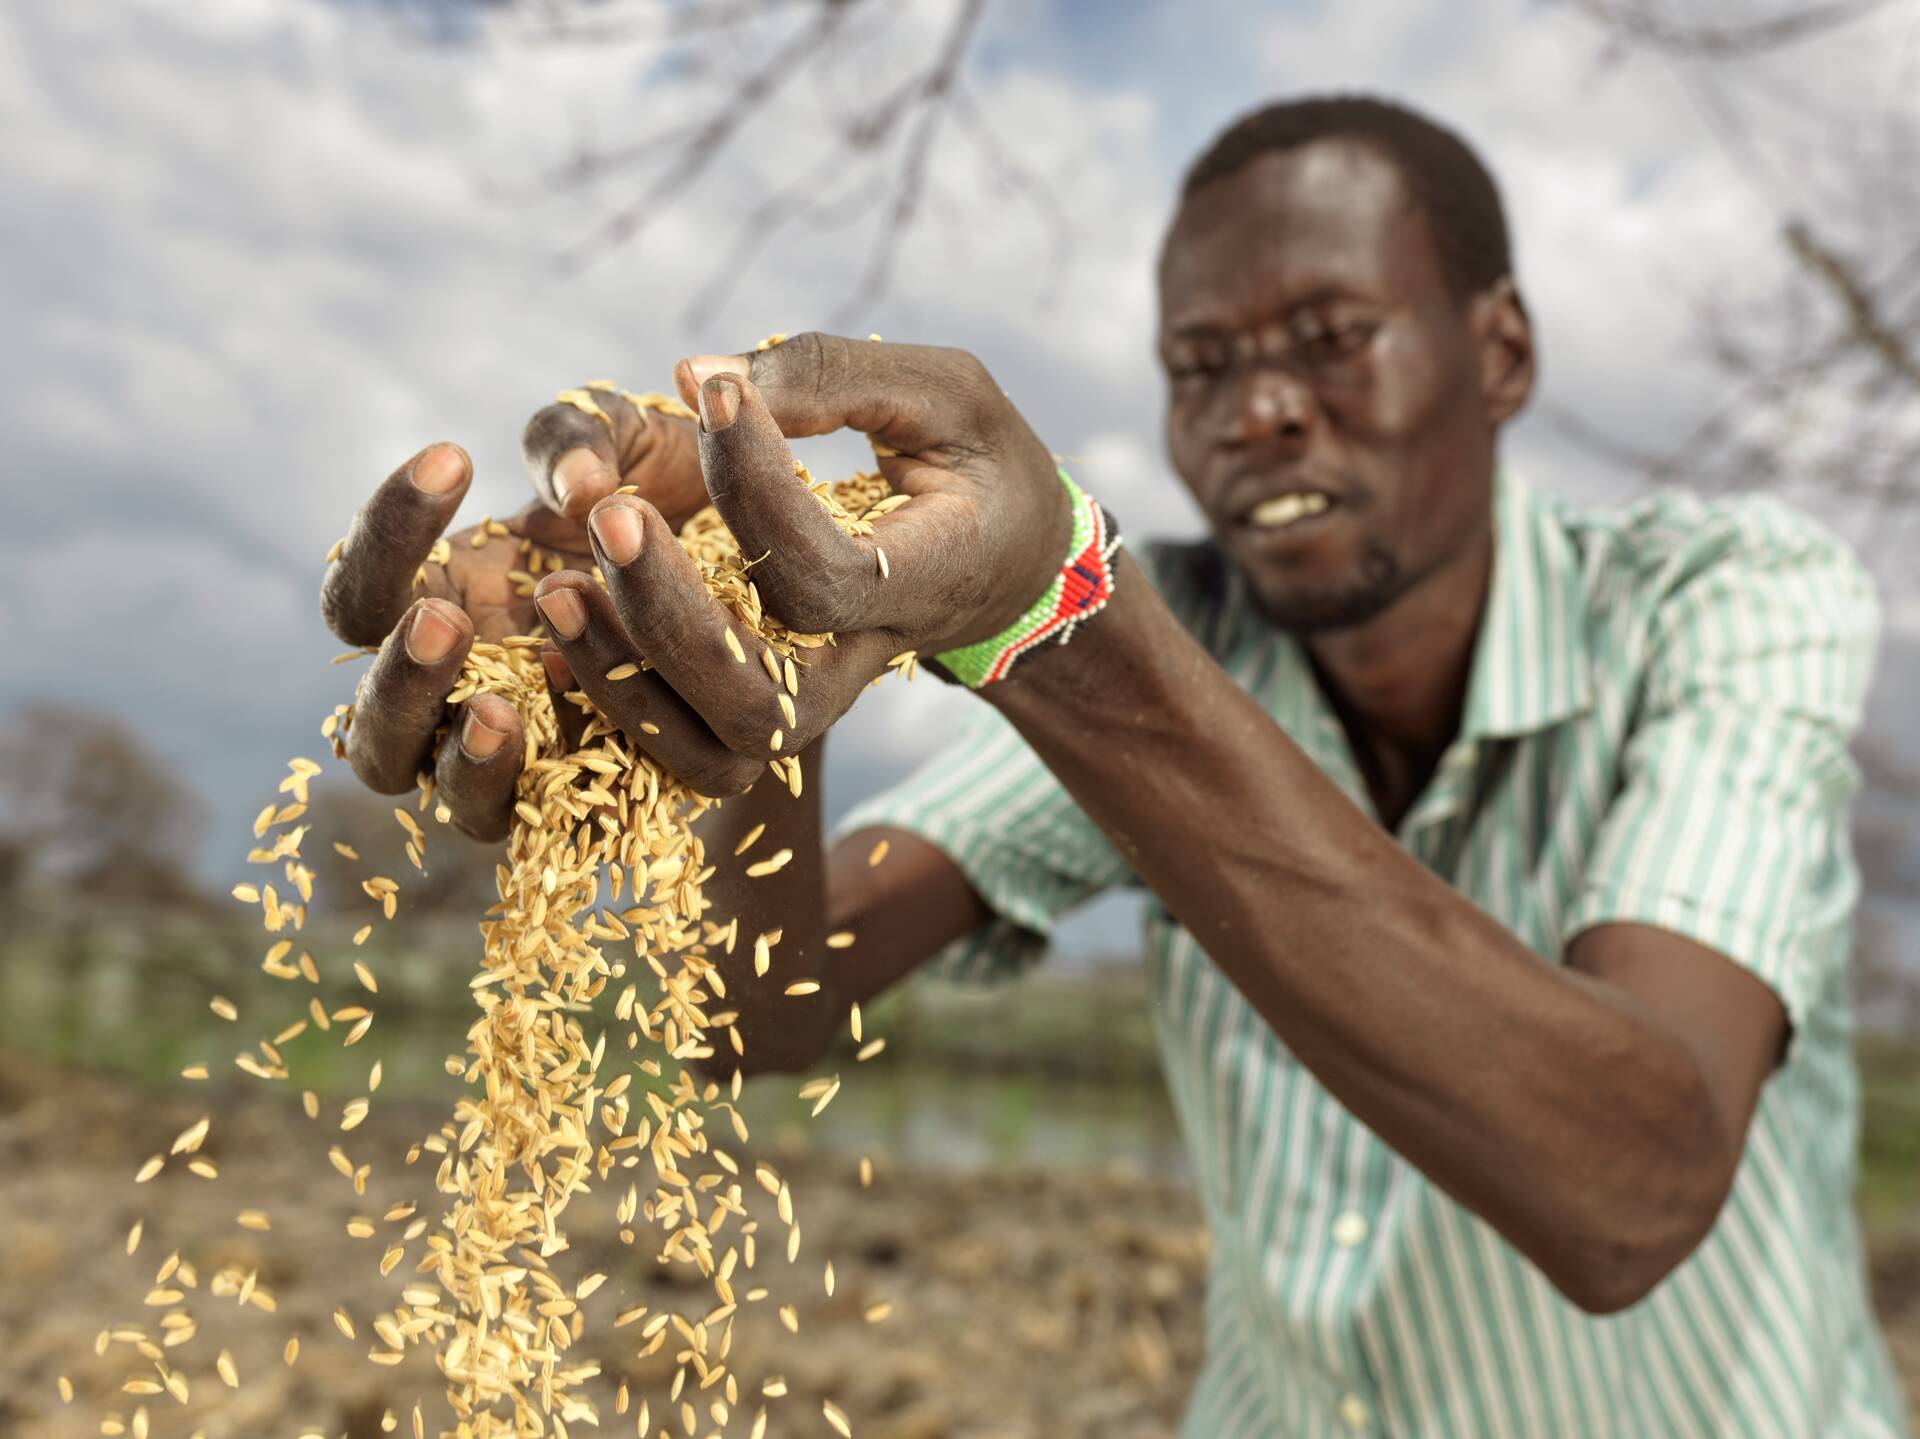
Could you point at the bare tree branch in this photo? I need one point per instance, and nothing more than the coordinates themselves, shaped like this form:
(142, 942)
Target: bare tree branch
(1636, 24)
(656, 22)
(1017, 176)
(879, 162)
(692, 158)
(937, 86)
(1824, 374)
(1862, 307)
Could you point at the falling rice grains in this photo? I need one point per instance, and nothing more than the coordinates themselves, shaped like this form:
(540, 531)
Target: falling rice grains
(525, 1136)
(533, 1072)
(771, 865)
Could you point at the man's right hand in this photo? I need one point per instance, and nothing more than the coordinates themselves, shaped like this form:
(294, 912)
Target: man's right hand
(380, 590)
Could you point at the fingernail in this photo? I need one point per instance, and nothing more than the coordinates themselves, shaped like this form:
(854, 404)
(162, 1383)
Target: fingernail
(478, 738)
(430, 638)
(719, 402)
(705, 367)
(617, 528)
(564, 612)
(439, 470)
(559, 672)
(579, 470)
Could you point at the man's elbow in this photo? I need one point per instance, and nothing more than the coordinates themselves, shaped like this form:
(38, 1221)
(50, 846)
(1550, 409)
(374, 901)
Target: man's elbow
(1623, 1263)
(1604, 1289)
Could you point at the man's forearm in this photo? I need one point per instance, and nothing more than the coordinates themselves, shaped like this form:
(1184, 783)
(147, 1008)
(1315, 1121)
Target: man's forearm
(777, 1031)
(891, 915)
(1538, 1097)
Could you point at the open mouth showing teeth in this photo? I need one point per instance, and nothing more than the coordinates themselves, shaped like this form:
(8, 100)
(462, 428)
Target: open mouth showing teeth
(1285, 510)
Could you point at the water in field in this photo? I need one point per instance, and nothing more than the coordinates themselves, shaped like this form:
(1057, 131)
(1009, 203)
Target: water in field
(1051, 1072)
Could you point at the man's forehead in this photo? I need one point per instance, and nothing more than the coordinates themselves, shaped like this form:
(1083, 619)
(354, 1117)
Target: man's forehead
(1329, 215)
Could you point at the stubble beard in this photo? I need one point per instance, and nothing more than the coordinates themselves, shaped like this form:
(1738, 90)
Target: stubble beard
(1303, 610)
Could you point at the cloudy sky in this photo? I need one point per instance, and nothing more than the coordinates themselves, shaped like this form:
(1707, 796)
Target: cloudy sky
(255, 252)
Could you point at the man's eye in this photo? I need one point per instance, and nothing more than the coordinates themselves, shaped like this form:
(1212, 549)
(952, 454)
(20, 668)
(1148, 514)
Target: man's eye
(1192, 368)
(1339, 341)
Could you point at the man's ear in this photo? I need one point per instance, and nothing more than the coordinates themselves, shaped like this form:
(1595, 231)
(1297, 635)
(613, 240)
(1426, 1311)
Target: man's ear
(1503, 335)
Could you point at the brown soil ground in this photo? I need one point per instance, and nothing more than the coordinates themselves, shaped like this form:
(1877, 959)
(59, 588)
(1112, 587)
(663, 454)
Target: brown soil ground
(1027, 1304)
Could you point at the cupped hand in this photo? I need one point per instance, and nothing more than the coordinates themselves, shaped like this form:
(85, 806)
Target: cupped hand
(981, 538)
(386, 587)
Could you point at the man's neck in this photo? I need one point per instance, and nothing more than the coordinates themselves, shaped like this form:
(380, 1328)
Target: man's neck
(1399, 681)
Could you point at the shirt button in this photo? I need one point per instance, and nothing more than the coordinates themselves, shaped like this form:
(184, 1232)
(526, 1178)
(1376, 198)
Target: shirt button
(1350, 1229)
(1354, 1413)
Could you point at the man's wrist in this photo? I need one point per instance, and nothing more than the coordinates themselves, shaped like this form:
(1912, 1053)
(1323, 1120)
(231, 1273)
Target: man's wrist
(1079, 589)
(1107, 663)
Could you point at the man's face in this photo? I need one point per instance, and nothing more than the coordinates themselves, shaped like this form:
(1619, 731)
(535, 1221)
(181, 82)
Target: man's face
(1327, 406)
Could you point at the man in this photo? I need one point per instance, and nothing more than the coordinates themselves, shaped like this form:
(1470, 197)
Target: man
(1498, 853)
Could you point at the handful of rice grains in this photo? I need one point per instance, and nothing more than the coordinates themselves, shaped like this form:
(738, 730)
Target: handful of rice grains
(541, 1122)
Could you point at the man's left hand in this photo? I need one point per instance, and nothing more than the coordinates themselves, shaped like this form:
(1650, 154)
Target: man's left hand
(985, 532)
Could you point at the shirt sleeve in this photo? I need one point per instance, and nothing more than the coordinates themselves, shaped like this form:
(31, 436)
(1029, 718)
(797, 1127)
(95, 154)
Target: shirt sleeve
(1029, 852)
(998, 813)
(1730, 826)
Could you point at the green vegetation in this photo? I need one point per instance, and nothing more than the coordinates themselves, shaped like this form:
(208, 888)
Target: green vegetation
(1058, 1069)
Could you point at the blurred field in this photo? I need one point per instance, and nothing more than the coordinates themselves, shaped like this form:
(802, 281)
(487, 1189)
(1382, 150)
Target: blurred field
(1075, 1292)
(1030, 1222)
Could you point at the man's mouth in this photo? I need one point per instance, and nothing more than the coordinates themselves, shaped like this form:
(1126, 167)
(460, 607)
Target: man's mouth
(1284, 510)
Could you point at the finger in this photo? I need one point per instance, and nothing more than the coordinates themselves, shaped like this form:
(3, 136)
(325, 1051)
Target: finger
(561, 684)
(369, 584)
(663, 606)
(917, 400)
(643, 705)
(403, 695)
(815, 576)
(474, 776)
(576, 459)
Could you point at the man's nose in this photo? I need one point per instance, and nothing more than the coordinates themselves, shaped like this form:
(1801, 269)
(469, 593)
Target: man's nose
(1268, 404)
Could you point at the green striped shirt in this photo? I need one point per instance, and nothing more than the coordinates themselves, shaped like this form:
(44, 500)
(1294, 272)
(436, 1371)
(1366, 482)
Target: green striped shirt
(1655, 731)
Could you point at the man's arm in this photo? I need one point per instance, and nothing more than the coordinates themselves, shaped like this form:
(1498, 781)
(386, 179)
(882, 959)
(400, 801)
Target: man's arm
(900, 913)
(1596, 1122)
(1586, 1122)
(1594, 1114)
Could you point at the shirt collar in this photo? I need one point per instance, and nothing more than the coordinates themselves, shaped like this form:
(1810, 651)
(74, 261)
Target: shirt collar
(1530, 662)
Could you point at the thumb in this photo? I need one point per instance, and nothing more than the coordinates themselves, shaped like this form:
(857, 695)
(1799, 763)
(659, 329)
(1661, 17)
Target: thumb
(917, 400)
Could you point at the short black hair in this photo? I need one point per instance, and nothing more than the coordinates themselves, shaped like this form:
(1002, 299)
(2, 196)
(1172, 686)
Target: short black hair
(1448, 181)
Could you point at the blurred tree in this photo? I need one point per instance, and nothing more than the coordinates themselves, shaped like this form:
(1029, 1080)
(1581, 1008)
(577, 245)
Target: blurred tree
(458, 880)
(1814, 104)
(84, 802)
(875, 147)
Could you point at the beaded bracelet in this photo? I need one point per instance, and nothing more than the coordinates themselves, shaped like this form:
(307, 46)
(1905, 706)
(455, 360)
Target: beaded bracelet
(1080, 591)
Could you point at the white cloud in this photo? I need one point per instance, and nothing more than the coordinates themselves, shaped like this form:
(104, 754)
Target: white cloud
(255, 252)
